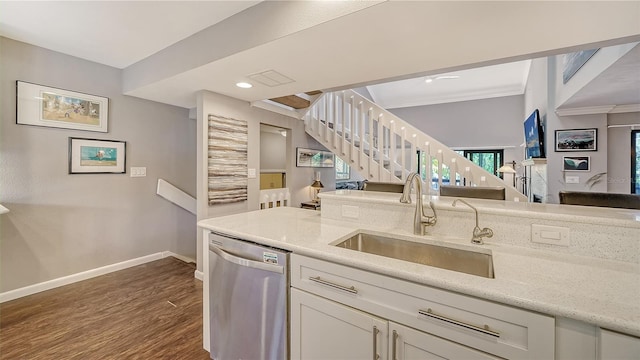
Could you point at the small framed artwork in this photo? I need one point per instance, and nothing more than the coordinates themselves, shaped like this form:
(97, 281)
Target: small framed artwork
(314, 158)
(577, 140)
(46, 106)
(576, 163)
(93, 156)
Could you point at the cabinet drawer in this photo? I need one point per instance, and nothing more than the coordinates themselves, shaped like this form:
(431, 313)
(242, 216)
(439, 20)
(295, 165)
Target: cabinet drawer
(495, 328)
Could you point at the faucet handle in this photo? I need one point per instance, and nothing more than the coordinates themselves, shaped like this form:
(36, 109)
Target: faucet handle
(487, 232)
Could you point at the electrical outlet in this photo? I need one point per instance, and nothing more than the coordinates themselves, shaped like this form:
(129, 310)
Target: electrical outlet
(554, 235)
(138, 171)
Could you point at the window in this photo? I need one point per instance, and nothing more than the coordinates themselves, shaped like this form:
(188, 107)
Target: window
(635, 161)
(342, 170)
(424, 172)
(490, 160)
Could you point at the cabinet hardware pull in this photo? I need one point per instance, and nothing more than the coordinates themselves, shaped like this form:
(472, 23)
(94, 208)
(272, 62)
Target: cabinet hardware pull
(482, 329)
(317, 279)
(375, 343)
(394, 355)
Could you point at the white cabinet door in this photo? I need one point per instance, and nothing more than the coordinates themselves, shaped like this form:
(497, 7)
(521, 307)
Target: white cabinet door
(616, 346)
(325, 330)
(409, 344)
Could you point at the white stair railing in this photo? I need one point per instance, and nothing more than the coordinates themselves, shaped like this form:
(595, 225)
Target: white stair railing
(383, 147)
(270, 198)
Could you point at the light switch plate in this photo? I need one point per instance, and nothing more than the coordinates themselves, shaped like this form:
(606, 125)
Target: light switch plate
(251, 173)
(572, 179)
(138, 171)
(554, 235)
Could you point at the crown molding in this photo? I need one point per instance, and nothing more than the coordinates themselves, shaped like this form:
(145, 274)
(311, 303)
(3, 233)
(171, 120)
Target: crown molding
(604, 109)
(625, 109)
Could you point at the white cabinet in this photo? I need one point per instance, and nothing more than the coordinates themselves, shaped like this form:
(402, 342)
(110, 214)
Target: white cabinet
(616, 346)
(492, 328)
(323, 329)
(410, 344)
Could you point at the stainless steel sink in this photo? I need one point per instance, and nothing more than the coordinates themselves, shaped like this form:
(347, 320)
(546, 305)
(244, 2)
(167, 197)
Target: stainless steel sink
(469, 262)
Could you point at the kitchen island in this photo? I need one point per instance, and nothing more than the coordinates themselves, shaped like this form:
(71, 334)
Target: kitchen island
(594, 280)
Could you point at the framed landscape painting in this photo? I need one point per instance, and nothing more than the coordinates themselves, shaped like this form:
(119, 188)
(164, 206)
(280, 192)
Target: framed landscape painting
(46, 106)
(93, 156)
(577, 140)
(314, 158)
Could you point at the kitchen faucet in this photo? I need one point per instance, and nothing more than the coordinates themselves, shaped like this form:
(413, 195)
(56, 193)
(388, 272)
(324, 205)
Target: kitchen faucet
(477, 233)
(420, 220)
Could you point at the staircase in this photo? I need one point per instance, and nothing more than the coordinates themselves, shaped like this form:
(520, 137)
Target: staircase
(383, 147)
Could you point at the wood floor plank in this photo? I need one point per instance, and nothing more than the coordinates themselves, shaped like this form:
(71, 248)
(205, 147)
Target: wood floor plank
(151, 311)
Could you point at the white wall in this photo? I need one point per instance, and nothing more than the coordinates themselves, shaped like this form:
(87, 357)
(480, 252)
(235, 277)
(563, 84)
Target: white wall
(619, 154)
(62, 224)
(299, 179)
(535, 94)
(599, 62)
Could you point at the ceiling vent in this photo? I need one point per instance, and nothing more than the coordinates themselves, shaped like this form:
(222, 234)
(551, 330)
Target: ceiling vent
(270, 78)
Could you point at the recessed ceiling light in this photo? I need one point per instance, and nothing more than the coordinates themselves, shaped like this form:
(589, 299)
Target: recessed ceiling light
(244, 85)
(428, 80)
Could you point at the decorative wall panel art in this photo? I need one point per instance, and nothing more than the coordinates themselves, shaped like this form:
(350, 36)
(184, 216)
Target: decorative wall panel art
(227, 160)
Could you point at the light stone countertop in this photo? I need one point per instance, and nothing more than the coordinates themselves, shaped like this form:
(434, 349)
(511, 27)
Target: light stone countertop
(587, 214)
(601, 292)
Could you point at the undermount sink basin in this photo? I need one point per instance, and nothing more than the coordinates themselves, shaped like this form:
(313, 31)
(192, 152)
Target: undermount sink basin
(465, 261)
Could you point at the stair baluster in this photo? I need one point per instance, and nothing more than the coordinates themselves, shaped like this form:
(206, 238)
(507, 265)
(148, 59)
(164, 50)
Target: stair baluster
(386, 148)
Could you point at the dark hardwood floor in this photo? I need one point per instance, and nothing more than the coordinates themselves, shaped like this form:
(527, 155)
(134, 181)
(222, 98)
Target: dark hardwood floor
(151, 311)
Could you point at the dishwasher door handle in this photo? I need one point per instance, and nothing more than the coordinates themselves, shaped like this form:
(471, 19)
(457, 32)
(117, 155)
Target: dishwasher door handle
(246, 262)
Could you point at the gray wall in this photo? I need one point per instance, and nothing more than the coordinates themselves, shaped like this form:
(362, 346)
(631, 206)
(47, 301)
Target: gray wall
(273, 150)
(495, 122)
(619, 154)
(299, 179)
(62, 224)
(555, 175)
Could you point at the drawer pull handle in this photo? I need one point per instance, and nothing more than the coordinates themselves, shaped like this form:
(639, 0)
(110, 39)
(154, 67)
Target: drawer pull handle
(375, 343)
(484, 329)
(351, 289)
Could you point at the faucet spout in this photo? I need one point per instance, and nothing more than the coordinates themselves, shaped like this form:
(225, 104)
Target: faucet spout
(420, 220)
(478, 233)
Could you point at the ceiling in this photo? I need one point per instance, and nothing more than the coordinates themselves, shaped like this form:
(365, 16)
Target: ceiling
(114, 33)
(169, 50)
(473, 84)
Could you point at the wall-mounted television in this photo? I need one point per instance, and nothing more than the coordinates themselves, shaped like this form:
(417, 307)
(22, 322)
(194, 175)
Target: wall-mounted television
(534, 136)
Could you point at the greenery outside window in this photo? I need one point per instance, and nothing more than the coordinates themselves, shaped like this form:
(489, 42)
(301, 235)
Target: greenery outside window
(490, 160)
(343, 171)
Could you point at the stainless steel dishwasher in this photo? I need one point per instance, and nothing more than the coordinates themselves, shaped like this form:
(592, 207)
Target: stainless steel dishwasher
(248, 300)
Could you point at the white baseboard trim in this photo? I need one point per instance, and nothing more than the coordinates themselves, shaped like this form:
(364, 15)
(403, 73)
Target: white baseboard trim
(186, 259)
(198, 275)
(66, 280)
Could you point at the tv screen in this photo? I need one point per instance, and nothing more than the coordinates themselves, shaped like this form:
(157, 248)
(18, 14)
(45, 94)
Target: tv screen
(534, 138)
